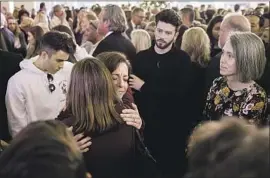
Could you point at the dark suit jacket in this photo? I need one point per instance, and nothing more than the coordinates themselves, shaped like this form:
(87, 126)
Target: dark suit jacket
(9, 66)
(212, 71)
(8, 38)
(116, 42)
(129, 30)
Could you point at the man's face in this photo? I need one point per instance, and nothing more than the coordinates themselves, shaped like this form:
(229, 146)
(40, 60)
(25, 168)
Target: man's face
(223, 34)
(55, 61)
(254, 22)
(151, 31)
(164, 34)
(12, 25)
(102, 26)
(24, 15)
(138, 18)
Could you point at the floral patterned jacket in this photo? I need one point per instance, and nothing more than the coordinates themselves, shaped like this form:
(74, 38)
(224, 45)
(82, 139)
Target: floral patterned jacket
(250, 104)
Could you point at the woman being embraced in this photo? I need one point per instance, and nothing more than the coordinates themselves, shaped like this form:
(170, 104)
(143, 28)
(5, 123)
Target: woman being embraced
(92, 110)
(120, 69)
(236, 93)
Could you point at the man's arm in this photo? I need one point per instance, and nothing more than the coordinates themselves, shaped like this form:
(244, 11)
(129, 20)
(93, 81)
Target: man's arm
(16, 109)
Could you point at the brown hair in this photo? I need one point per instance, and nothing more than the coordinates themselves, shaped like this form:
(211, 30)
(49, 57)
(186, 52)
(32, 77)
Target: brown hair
(113, 59)
(37, 33)
(43, 149)
(92, 97)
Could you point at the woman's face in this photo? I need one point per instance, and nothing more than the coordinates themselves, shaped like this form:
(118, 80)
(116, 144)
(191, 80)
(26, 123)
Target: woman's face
(24, 15)
(151, 32)
(265, 36)
(215, 30)
(120, 79)
(228, 61)
(30, 38)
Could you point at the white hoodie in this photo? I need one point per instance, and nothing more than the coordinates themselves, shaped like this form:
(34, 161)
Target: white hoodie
(29, 99)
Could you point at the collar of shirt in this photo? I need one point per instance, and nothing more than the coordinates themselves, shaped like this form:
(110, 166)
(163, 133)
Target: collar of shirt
(133, 25)
(95, 45)
(110, 32)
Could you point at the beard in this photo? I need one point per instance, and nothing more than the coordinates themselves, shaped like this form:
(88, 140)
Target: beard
(161, 44)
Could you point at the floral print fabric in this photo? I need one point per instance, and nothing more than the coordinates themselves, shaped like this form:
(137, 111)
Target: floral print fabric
(250, 103)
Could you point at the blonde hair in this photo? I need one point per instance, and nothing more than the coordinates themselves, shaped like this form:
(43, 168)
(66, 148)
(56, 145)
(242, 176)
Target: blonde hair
(140, 39)
(249, 53)
(40, 18)
(44, 27)
(42, 21)
(196, 43)
(27, 22)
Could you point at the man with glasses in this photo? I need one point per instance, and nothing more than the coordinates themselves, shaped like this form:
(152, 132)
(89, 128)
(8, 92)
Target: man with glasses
(38, 91)
(136, 21)
(231, 23)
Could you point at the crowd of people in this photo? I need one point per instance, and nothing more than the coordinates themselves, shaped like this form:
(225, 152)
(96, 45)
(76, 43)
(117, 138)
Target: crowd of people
(128, 92)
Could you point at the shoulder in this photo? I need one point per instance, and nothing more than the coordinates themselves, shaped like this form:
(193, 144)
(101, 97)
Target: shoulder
(258, 91)
(181, 53)
(67, 67)
(145, 53)
(218, 81)
(214, 61)
(143, 56)
(19, 79)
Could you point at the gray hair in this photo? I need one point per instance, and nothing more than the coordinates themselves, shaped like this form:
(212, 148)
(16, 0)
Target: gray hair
(116, 16)
(249, 53)
(237, 22)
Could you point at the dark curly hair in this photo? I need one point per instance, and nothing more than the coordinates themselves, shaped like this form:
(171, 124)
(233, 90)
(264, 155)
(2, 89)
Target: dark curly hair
(56, 41)
(169, 16)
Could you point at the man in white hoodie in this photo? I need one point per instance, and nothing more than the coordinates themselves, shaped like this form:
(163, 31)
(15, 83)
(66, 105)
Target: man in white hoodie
(38, 91)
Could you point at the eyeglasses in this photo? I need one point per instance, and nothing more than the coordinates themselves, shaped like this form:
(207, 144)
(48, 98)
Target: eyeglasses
(141, 17)
(50, 80)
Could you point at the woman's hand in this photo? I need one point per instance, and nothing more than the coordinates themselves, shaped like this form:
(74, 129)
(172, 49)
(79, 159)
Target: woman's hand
(82, 142)
(132, 117)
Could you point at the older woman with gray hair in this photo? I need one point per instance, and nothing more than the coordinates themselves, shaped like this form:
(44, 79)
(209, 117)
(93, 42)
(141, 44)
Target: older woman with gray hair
(112, 25)
(236, 93)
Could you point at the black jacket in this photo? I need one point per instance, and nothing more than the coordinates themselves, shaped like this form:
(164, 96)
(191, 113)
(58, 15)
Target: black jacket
(212, 71)
(9, 66)
(116, 42)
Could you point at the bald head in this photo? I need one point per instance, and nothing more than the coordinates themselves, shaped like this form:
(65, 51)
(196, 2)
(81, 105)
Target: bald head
(231, 23)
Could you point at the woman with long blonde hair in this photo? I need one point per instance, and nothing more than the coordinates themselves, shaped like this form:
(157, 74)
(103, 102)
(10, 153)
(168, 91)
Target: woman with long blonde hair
(196, 44)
